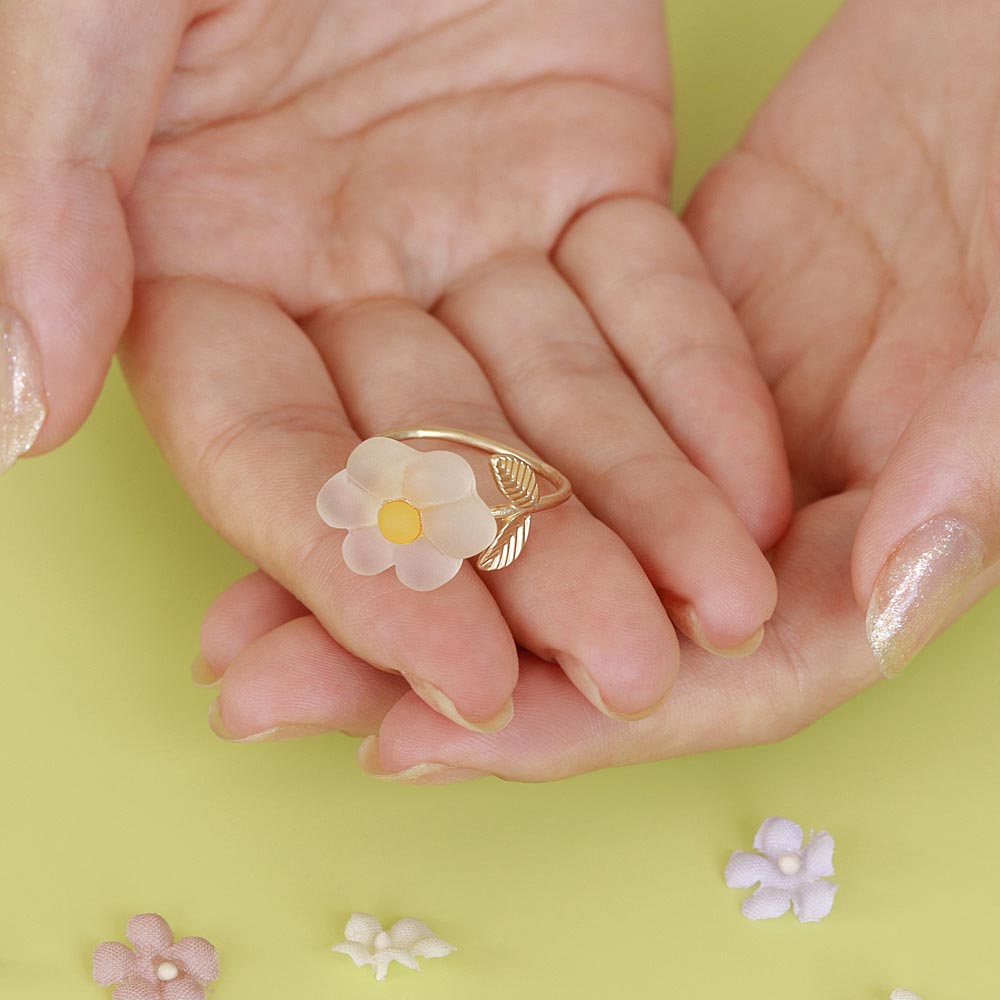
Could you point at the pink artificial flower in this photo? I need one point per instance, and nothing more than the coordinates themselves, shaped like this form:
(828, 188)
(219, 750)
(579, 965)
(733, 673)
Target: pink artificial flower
(158, 969)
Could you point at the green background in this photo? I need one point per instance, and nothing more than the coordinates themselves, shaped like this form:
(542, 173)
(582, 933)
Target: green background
(116, 798)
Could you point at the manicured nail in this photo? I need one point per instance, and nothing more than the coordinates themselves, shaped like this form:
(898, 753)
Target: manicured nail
(282, 731)
(441, 703)
(686, 619)
(581, 677)
(917, 587)
(419, 774)
(203, 675)
(22, 395)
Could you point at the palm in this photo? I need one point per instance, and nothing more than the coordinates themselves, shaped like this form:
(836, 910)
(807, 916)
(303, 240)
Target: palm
(851, 232)
(456, 217)
(869, 284)
(342, 177)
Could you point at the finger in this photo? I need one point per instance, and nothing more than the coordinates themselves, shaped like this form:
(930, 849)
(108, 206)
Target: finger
(814, 657)
(244, 410)
(933, 525)
(569, 397)
(640, 274)
(297, 681)
(577, 594)
(244, 612)
(78, 100)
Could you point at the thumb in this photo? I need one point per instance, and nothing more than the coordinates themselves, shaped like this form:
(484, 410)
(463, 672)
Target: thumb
(79, 92)
(933, 524)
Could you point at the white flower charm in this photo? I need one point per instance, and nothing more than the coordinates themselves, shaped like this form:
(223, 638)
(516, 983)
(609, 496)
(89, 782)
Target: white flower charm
(418, 511)
(789, 873)
(404, 942)
(903, 995)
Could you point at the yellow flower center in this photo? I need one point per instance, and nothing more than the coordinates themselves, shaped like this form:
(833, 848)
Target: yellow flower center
(399, 522)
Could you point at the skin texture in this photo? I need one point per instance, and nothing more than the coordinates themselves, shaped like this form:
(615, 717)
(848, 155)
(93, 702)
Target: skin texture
(855, 233)
(330, 244)
(331, 235)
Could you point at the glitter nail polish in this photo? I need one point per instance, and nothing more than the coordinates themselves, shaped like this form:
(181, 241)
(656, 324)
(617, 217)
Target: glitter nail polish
(917, 587)
(22, 398)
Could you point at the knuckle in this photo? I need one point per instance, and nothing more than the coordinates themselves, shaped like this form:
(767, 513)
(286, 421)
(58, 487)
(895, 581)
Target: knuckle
(568, 362)
(257, 502)
(237, 442)
(638, 469)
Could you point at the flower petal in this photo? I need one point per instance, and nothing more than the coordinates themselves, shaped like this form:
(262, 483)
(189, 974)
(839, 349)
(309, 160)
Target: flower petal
(818, 855)
(197, 956)
(358, 952)
(432, 947)
(113, 963)
(378, 465)
(407, 932)
(367, 551)
(381, 960)
(150, 933)
(766, 903)
(344, 504)
(362, 928)
(903, 995)
(422, 566)
(745, 868)
(182, 988)
(416, 937)
(777, 835)
(438, 477)
(813, 901)
(460, 529)
(136, 989)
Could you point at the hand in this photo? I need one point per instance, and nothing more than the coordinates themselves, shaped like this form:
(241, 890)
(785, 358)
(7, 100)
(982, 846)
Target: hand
(345, 219)
(857, 233)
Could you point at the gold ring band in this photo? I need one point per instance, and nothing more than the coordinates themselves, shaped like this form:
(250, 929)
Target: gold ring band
(562, 492)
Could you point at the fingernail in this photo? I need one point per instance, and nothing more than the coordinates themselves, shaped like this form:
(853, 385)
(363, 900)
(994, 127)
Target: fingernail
(203, 675)
(419, 774)
(441, 703)
(917, 587)
(686, 619)
(282, 731)
(22, 396)
(581, 677)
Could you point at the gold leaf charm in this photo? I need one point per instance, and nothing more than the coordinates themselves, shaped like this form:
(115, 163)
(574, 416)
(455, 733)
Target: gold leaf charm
(516, 480)
(506, 547)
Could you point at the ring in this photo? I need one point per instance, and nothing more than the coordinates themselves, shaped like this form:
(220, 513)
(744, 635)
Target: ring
(420, 511)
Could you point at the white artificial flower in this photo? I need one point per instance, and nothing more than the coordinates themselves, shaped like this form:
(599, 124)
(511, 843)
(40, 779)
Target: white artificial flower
(418, 511)
(404, 942)
(903, 995)
(790, 874)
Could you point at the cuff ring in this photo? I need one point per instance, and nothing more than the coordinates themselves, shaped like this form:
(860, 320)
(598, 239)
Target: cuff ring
(420, 511)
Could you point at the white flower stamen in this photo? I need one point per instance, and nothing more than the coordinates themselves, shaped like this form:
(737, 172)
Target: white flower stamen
(167, 972)
(790, 863)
